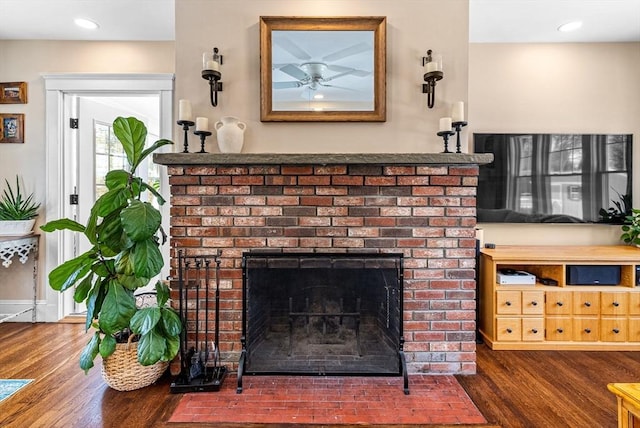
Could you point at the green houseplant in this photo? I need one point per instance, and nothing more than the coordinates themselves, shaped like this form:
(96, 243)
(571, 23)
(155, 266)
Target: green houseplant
(631, 228)
(125, 232)
(17, 210)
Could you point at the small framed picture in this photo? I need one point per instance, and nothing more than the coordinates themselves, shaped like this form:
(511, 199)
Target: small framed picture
(13, 92)
(11, 128)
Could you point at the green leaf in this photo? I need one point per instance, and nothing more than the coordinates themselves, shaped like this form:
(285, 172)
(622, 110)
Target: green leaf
(107, 346)
(110, 234)
(145, 320)
(162, 293)
(155, 146)
(173, 346)
(146, 258)
(94, 302)
(123, 264)
(132, 282)
(140, 220)
(117, 309)
(82, 290)
(151, 348)
(89, 352)
(159, 198)
(71, 271)
(63, 224)
(171, 322)
(111, 201)
(132, 133)
(116, 178)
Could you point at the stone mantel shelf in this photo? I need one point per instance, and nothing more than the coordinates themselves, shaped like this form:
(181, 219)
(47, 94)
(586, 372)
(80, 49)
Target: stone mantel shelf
(322, 158)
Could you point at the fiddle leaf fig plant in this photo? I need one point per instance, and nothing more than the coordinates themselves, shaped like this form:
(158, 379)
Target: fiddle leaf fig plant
(125, 232)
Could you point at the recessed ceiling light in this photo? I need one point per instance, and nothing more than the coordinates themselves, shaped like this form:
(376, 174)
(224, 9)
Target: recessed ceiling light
(318, 96)
(570, 26)
(86, 23)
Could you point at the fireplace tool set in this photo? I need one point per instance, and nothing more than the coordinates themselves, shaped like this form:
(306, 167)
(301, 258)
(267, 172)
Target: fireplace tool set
(200, 368)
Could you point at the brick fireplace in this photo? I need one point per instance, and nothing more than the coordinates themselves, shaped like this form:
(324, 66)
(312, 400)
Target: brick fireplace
(421, 205)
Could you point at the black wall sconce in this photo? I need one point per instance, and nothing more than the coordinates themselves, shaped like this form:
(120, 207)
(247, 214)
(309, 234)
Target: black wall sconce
(211, 63)
(434, 73)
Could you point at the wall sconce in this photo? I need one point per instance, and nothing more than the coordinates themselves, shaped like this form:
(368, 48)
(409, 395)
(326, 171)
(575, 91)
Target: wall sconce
(211, 71)
(433, 74)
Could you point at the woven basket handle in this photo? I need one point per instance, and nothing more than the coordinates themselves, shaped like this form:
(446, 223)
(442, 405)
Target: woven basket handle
(130, 339)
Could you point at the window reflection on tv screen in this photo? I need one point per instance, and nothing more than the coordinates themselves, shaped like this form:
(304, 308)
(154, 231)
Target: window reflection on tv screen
(554, 178)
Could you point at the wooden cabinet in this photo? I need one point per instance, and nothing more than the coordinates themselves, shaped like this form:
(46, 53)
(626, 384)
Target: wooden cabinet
(562, 316)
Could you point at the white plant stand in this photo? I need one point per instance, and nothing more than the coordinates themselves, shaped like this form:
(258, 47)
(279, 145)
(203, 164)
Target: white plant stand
(21, 246)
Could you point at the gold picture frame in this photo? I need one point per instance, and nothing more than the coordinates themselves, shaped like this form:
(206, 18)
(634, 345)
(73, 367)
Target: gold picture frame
(342, 56)
(11, 128)
(13, 92)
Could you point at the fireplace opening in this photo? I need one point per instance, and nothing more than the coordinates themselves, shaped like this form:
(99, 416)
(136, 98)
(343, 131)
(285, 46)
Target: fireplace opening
(322, 314)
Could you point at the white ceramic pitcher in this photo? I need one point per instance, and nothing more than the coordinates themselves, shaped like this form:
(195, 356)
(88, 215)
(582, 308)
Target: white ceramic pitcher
(230, 132)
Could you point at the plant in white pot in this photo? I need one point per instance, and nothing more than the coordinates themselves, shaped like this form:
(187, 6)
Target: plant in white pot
(17, 211)
(125, 232)
(631, 228)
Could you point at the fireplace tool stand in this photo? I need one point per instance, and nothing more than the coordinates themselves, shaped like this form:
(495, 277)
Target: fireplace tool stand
(200, 368)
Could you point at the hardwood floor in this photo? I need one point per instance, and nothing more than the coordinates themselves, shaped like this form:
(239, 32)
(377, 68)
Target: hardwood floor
(512, 388)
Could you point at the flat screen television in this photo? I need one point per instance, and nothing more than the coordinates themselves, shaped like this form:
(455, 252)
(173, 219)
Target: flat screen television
(554, 178)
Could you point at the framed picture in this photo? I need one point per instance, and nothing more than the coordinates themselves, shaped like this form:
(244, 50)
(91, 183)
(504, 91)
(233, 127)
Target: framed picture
(11, 128)
(13, 92)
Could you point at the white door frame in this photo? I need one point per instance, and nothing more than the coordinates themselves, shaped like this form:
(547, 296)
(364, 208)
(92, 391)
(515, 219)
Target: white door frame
(57, 85)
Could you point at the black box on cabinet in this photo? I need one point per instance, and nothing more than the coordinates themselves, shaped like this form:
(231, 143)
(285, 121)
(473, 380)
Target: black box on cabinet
(593, 275)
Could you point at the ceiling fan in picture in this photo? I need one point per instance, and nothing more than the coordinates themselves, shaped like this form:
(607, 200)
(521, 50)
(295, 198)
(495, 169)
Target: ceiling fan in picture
(313, 73)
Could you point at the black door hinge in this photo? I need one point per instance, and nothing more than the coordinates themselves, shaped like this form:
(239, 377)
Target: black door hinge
(73, 199)
(73, 123)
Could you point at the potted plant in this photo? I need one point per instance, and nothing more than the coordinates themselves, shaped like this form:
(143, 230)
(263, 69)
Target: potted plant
(125, 232)
(631, 228)
(17, 211)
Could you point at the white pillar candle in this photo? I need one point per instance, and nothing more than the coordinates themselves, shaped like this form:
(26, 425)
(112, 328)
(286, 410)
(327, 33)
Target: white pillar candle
(445, 124)
(212, 65)
(202, 124)
(431, 66)
(457, 112)
(184, 110)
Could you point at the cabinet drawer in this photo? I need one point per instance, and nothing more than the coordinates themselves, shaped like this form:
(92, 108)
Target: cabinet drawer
(533, 302)
(509, 329)
(559, 328)
(558, 303)
(614, 303)
(634, 330)
(634, 303)
(586, 329)
(586, 302)
(613, 329)
(533, 329)
(508, 302)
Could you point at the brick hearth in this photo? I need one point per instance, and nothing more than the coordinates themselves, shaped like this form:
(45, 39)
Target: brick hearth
(421, 205)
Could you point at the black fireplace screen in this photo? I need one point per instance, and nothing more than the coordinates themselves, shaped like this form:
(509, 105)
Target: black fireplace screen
(322, 314)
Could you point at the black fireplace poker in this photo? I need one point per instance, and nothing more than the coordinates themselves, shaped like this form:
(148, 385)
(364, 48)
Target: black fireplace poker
(200, 368)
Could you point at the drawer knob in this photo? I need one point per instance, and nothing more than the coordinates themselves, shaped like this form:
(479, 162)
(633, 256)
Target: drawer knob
(560, 330)
(509, 330)
(508, 303)
(534, 303)
(559, 303)
(616, 304)
(587, 304)
(616, 330)
(587, 330)
(534, 330)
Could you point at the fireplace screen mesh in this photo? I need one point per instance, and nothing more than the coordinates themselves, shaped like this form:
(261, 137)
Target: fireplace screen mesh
(323, 314)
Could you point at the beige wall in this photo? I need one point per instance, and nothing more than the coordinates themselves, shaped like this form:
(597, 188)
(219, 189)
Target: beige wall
(564, 88)
(26, 61)
(413, 26)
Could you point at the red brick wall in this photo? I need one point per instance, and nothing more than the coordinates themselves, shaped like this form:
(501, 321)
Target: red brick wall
(425, 211)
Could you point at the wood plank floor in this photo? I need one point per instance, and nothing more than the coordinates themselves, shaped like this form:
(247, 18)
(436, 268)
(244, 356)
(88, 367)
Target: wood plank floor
(511, 389)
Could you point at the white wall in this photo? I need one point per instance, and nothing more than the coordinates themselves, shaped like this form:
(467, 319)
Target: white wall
(413, 27)
(563, 88)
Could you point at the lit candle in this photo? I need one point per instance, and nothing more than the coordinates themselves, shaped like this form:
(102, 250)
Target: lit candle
(457, 112)
(202, 124)
(184, 110)
(212, 65)
(445, 124)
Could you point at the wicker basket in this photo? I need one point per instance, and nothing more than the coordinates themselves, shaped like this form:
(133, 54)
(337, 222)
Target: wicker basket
(122, 371)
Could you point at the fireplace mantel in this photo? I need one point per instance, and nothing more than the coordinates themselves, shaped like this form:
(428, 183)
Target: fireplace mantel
(322, 158)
